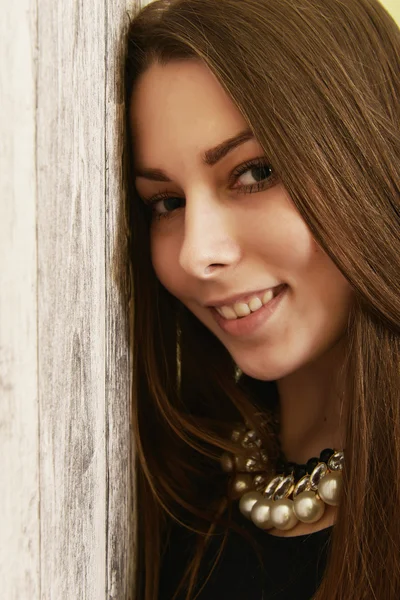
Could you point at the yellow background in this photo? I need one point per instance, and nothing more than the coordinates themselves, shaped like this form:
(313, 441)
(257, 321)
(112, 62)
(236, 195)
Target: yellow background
(393, 6)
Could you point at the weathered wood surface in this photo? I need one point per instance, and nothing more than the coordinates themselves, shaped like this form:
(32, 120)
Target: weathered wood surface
(66, 508)
(84, 367)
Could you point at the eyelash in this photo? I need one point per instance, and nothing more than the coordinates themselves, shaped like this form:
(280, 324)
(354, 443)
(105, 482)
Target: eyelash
(246, 189)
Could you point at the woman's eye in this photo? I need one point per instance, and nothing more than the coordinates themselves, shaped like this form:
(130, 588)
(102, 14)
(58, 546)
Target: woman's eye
(255, 174)
(170, 204)
(164, 205)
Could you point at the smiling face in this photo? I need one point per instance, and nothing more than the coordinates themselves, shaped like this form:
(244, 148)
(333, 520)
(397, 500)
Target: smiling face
(225, 234)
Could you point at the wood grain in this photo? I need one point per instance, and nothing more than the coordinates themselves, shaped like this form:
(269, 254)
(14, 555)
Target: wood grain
(71, 299)
(66, 508)
(120, 459)
(84, 363)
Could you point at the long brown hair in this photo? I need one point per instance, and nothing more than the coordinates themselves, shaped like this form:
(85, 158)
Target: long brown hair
(318, 82)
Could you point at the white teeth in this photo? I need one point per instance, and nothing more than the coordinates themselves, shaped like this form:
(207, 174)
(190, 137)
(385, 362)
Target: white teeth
(255, 304)
(269, 294)
(241, 309)
(227, 312)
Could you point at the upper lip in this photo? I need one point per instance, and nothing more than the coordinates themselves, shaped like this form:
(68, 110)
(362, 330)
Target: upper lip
(238, 298)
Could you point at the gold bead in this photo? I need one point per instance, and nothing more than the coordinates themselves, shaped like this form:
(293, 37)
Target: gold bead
(241, 485)
(261, 514)
(253, 465)
(250, 440)
(240, 462)
(308, 507)
(336, 461)
(238, 433)
(282, 514)
(259, 482)
(330, 488)
(227, 462)
(247, 501)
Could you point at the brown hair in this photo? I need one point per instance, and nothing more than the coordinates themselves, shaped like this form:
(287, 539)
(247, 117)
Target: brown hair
(318, 82)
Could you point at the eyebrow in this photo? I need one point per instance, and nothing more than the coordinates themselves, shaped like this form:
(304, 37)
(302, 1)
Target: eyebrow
(210, 157)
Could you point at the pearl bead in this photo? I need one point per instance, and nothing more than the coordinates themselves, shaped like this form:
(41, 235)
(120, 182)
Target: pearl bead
(330, 488)
(308, 507)
(227, 463)
(261, 514)
(282, 514)
(240, 462)
(241, 485)
(247, 501)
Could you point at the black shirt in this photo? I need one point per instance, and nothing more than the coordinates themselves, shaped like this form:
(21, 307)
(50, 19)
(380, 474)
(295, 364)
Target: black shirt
(291, 568)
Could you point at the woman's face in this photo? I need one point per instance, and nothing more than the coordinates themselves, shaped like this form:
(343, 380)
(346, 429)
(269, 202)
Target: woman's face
(226, 239)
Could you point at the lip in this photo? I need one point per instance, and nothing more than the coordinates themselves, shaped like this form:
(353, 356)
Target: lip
(245, 326)
(239, 298)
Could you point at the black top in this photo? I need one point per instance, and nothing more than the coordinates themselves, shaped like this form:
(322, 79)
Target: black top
(291, 568)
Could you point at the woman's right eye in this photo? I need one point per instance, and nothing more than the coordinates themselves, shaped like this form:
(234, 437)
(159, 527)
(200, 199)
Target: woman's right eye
(163, 205)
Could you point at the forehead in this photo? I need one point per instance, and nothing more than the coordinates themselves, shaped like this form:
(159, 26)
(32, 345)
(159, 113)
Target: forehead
(180, 106)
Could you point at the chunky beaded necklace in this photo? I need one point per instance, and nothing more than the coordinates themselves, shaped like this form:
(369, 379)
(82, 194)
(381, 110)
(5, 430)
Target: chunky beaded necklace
(294, 493)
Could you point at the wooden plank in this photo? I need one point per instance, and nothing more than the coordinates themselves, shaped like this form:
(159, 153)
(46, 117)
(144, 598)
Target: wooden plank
(65, 369)
(71, 299)
(84, 359)
(120, 515)
(19, 498)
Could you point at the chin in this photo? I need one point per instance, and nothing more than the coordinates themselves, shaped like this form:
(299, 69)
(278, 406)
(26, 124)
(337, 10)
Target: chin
(275, 366)
(266, 372)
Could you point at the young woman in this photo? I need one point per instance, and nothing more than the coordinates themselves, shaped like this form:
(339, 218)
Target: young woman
(264, 196)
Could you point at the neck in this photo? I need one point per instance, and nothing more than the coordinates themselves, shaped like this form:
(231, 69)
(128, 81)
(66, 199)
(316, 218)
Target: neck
(311, 407)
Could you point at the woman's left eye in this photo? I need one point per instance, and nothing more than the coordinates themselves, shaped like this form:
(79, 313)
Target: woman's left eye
(254, 176)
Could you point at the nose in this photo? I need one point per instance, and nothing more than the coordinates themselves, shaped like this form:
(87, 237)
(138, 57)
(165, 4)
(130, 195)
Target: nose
(209, 244)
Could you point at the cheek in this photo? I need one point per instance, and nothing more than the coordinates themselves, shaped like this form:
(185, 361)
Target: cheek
(325, 280)
(271, 228)
(323, 295)
(323, 302)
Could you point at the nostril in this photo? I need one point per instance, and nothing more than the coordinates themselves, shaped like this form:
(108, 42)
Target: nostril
(212, 268)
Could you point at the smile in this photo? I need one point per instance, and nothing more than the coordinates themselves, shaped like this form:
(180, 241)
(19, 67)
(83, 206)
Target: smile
(244, 309)
(256, 312)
